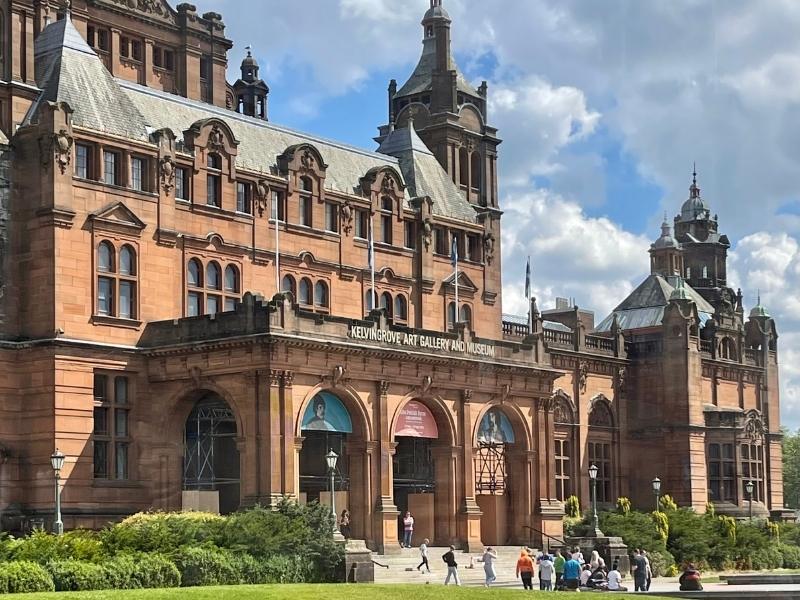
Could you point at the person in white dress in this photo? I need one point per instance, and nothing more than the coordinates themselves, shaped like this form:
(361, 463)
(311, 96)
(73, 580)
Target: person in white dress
(488, 558)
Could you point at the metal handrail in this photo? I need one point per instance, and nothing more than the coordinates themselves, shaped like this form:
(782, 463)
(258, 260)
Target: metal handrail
(533, 529)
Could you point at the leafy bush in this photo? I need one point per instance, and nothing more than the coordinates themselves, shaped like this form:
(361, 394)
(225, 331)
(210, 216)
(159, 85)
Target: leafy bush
(662, 524)
(636, 529)
(77, 575)
(156, 571)
(791, 556)
(575, 526)
(21, 576)
(161, 532)
(667, 503)
(710, 509)
(43, 547)
(660, 562)
(623, 505)
(572, 507)
(120, 572)
(206, 566)
(287, 569)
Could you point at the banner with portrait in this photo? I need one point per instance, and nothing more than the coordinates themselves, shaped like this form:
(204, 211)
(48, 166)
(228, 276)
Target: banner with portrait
(326, 412)
(495, 428)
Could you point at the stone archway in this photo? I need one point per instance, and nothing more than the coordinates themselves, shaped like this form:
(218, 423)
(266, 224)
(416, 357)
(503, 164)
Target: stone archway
(211, 462)
(502, 474)
(423, 468)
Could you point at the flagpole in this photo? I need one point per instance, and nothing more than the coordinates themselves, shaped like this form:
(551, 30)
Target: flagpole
(277, 244)
(371, 252)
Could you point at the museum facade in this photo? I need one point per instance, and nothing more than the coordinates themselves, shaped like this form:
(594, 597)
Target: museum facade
(198, 305)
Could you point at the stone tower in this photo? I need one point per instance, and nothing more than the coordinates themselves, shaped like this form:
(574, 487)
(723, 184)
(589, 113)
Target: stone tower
(449, 114)
(250, 91)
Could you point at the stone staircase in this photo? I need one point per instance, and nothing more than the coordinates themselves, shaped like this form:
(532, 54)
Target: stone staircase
(402, 567)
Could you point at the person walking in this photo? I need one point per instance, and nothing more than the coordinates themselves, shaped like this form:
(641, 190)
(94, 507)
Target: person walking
(488, 558)
(408, 529)
(649, 579)
(423, 554)
(449, 558)
(525, 570)
(344, 524)
(572, 573)
(546, 573)
(558, 565)
(639, 568)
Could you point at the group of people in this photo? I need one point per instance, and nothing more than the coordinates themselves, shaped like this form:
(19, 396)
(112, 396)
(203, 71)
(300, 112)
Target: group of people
(567, 571)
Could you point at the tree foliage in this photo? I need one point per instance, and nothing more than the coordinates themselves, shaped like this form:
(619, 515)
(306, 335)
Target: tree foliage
(791, 468)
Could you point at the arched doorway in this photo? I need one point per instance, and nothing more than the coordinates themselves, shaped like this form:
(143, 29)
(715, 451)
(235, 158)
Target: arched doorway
(414, 473)
(602, 449)
(499, 478)
(326, 425)
(210, 457)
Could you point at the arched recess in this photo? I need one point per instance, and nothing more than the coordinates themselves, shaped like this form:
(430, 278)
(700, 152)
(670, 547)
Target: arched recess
(211, 459)
(566, 445)
(334, 418)
(502, 440)
(603, 446)
(423, 467)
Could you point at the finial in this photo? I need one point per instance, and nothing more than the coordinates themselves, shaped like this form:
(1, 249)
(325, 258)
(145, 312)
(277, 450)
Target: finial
(411, 122)
(248, 48)
(68, 9)
(694, 190)
(694, 173)
(758, 301)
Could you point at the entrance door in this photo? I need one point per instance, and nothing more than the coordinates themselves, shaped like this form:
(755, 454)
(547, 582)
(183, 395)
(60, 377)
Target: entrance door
(492, 481)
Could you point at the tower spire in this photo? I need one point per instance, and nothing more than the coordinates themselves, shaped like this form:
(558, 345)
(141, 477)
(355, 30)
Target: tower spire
(694, 191)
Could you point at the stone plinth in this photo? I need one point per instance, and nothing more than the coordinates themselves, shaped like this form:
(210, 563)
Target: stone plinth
(610, 549)
(358, 562)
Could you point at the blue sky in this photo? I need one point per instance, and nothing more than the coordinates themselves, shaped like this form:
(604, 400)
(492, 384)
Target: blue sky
(603, 108)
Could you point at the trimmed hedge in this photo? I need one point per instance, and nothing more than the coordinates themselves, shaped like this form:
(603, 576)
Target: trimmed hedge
(21, 576)
(206, 566)
(77, 576)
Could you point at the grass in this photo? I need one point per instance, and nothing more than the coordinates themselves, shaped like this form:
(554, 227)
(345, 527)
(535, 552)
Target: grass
(312, 592)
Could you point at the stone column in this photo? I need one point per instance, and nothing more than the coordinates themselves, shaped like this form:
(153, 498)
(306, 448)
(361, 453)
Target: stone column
(272, 431)
(386, 511)
(115, 64)
(469, 512)
(548, 517)
(445, 529)
(289, 466)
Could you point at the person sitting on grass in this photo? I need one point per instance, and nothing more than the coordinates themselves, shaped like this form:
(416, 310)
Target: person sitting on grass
(614, 578)
(585, 575)
(598, 579)
(689, 580)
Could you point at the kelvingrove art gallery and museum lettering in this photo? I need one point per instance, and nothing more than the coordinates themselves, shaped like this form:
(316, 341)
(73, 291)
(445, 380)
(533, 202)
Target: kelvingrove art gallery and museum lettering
(419, 340)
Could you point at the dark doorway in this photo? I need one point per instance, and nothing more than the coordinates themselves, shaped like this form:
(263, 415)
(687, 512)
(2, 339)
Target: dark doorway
(413, 475)
(314, 477)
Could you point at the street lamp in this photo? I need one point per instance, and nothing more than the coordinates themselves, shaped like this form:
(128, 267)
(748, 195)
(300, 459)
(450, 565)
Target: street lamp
(331, 457)
(657, 490)
(57, 462)
(749, 489)
(595, 522)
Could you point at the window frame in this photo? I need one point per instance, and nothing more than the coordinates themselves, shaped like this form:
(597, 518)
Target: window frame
(83, 169)
(112, 438)
(115, 163)
(182, 184)
(214, 180)
(200, 295)
(109, 283)
(142, 182)
(244, 197)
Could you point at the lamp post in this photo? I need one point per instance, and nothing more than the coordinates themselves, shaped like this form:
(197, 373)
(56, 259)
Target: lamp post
(57, 462)
(595, 522)
(749, 489)
(331, 457)
(657, 490)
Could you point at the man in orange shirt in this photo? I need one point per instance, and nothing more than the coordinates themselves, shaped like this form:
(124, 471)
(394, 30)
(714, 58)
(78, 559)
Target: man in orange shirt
(525, 570)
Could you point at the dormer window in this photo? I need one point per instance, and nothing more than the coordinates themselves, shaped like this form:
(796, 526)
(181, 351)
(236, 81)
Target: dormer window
(306, 203)
(386, 220)
(214, 181)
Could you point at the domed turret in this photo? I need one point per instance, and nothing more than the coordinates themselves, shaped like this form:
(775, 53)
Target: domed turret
(251, 91)
(694, 207)
(758, 310)
(666, 255)
(666, 240)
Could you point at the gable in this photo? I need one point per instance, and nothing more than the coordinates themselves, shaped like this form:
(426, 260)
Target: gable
(153, 9)
(465, 284)
(117, 217)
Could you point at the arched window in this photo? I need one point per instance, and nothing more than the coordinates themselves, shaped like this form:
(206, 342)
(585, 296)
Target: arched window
(370, 299)
(287, 285)
(601, 443)
(451, 315)
(565, 437)
(463, 167)
(321, 294)
(195, 273)
(476, 171)
(231, 279)
(105, 257)
(116, 288)
(466, 315)
(386, 303)
(705, 271)
(400, 308)
(212, 276)
(127, 261)
(305, 293)
(727, 349)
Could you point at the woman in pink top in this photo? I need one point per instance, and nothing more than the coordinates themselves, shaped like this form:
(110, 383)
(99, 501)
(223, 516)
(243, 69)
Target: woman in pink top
(408, 529)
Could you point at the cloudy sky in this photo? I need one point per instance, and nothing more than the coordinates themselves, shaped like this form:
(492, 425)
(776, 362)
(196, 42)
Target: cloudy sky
(603, 108)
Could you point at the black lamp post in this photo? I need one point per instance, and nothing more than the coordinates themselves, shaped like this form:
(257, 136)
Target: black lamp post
(331, 457)
(657, 491)
(749, 489)
(57, 462)
(595, 521)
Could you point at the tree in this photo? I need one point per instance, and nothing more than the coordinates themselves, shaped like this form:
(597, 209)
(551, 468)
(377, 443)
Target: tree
(791, 468)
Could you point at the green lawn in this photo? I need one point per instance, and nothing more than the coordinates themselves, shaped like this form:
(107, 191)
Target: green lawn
(312, 592)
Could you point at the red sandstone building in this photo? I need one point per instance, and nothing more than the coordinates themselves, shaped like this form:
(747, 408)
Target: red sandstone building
(184, 354)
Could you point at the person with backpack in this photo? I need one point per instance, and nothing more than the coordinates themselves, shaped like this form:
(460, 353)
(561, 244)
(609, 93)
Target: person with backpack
(449, 558)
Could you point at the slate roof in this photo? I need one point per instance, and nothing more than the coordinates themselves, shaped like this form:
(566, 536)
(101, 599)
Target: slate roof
(424, 175)
(70, 71)
(523, 320)
(421, 79)
(644, 307)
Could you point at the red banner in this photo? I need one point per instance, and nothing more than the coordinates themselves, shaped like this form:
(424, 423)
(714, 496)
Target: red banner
(416, 420)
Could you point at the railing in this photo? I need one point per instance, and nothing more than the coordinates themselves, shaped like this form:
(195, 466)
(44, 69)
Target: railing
(600, 343)
(705, 346)
(752, 356)
(559, 338)
(560, 541)
(515, 329)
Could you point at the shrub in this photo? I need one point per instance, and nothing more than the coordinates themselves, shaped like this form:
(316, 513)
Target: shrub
(667, 503)
(161, 532)
(77, 576)
(205, 566)
(710, 509)
(42, 547)
(774, 530)
(623, 505)
(636, 529)
(791, 556)
(672, 571)
(21, 576)
(662, 524)
(250, 570)
(660, 562)
(574, 527)
(572, 507)
(287, 569)
(156, 571)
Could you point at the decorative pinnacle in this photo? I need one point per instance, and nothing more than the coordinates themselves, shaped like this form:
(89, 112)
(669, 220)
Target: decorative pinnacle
(694, 190)
(248, 48)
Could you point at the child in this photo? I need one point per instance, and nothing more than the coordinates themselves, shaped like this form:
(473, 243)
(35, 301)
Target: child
(423, 553)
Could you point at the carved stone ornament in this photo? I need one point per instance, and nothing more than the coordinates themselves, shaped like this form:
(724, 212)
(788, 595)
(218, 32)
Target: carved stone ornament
(427, 383)
(262, 197)
(57, 147)
(383, 387)
(621, 379)
(754, 426)
(166, 169)
(427, 233)
(337, 375)
(488, 247)
(346, 217)
(148, 6)
(307, 159)
(583, 375)
(216, 139)
(561, 411)
(388, 185)
(288, 378)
